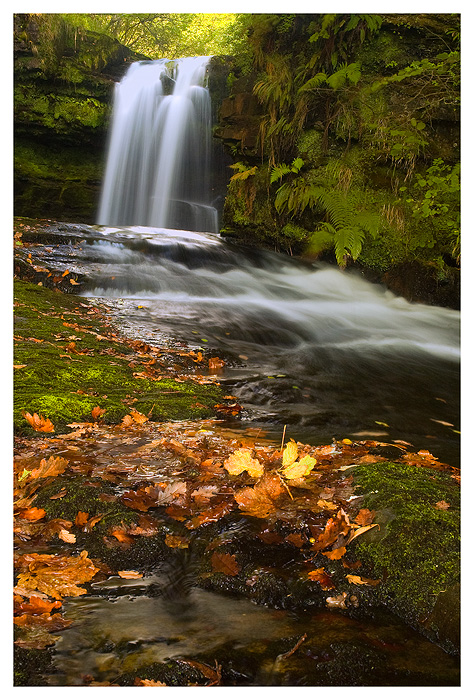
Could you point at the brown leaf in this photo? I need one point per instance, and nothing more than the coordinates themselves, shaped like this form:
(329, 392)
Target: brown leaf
(38, 423)
(176, 542)
(81, 518)
(322, 578)
(52, 623)
(260, 500)
(442, 505)
(225, 563)
(121, 535)
(36, 605)
(209, 516)
(364, 516)
(338, 601)
(360, 531)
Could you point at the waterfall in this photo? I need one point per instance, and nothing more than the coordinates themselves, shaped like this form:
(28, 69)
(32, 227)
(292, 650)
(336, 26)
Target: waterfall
(158, 163)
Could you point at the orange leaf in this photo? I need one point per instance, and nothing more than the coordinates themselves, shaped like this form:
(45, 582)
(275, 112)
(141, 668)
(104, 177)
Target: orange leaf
(260, 500)
(40, 424)
(442, 505)
(32, 514)
(81, 518)
(322, 578)
(361, 580)
(335, 553)
(37, 606)
(97, 412)
(130, 574)
(176, 542)
(66, 536)
(364, 516)
(50, 467)
(225, 563)
(121, 535)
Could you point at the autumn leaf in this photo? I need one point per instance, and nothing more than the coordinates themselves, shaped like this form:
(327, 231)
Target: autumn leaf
(442, 505)
(52, 623)
(361, 580)
(216, 363)
(147, 682)
(49, 467)
(242, 460)
(225, 563)
(338, 601)
(138, 417)
(81, 518)
(290, 453)
(176, 542)
(37, 606)
(66, 536)
(32, 514)
(121, 535)
(55, 575)
(335, 553)
(97, 412)
(364, 516)
(322, 578)
(130, 574)
(38, 423)
(210, 515)
(299, 469)
(360, 531)
(260, 500)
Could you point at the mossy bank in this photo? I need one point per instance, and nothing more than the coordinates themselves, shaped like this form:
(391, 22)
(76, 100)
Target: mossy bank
(68, 361)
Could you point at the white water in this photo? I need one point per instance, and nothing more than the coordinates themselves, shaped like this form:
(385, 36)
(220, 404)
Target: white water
(158, 162)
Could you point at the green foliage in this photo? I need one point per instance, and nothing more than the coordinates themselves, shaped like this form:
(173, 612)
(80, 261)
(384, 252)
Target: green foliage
(278, 171)
(438, 200)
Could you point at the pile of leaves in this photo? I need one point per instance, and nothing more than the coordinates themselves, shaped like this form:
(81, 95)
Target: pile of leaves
(250, 508)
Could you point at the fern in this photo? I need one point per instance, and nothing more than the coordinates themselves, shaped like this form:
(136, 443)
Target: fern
(243, 172)
(278, 171)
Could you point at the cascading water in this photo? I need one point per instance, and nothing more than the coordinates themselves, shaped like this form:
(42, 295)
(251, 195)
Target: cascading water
(158, 165)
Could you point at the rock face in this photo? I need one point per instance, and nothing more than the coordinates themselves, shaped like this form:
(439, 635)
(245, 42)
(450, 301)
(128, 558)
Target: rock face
(63, 91)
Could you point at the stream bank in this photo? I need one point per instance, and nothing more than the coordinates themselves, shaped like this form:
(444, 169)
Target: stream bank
(364, 539)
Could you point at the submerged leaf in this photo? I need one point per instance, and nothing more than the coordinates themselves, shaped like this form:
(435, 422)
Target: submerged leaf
(260, 500)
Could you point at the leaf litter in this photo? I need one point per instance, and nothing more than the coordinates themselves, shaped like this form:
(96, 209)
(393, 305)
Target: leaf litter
(192, 474)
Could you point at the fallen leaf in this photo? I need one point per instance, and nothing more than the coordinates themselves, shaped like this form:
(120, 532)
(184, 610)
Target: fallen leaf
(335, 553)
(322, 578)
(55, 575)
(176, 542)
(37, 606)
(49, 467)
(225, 563)
(121, 535)
(260, 500)
(145, 681)
(32, 514)
(97, 412)
(66, 536)
(130, 574)
(442, 505)
(360, 531)
(290, 454)
(338, 601)
(38, 423)
(81, 518)
(361, 580)
(242, 460)
(298, 469)
(364, 516)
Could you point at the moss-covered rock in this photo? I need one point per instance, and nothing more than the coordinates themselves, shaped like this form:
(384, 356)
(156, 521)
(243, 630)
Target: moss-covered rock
(70, 361)
(416, 551)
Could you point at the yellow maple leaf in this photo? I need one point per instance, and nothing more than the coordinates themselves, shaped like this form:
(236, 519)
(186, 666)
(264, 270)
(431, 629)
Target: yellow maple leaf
(298, 469)
(290, 453)
(242, 460)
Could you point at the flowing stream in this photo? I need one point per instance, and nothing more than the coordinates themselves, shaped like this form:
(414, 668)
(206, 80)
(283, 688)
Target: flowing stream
(306, 346)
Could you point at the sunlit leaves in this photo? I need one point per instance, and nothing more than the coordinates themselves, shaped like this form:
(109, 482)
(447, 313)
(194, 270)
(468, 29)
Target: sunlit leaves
(242, 460)
(55, 575)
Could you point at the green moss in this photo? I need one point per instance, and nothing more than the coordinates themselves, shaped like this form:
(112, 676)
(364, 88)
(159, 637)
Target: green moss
(64, 385)
(416, 552)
